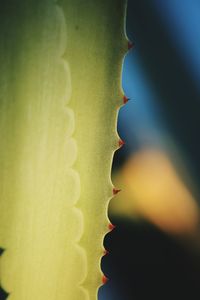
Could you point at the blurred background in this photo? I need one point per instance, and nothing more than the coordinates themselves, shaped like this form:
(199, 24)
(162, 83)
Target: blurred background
(154, 250)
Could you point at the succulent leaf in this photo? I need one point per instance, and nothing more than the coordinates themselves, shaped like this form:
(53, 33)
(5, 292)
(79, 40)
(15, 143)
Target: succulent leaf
(59, 93)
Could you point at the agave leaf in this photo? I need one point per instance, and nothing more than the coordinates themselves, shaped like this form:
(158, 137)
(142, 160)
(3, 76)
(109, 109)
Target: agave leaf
(59, 92)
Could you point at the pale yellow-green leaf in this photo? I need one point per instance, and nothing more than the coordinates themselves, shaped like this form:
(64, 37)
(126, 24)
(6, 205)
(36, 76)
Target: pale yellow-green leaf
(59, 93)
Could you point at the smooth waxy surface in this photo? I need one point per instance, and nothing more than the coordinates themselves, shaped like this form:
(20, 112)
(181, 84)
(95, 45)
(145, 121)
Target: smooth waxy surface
(59, 92)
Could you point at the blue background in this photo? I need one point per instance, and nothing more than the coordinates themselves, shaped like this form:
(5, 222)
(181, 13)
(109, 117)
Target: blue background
(161, 76)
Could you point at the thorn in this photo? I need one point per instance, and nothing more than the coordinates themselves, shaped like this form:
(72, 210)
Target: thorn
(121, 143)
(105, 252)
(116, 191)
(111, 227)
(125, 99)
(130, 45)
(104, 279)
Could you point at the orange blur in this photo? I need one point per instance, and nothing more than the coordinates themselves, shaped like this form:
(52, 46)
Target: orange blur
(152, 189)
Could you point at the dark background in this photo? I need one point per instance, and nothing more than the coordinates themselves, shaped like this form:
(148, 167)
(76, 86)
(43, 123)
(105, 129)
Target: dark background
(161, 76)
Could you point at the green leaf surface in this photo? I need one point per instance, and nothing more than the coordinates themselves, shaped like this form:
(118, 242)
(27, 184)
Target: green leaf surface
(59, 94)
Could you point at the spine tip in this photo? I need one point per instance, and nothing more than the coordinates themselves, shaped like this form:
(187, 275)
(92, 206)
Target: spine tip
(125, 99)
(104, 279)
(111, 226)
(105, 252)
(116, 191)
(130, 45)
(121, 143)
